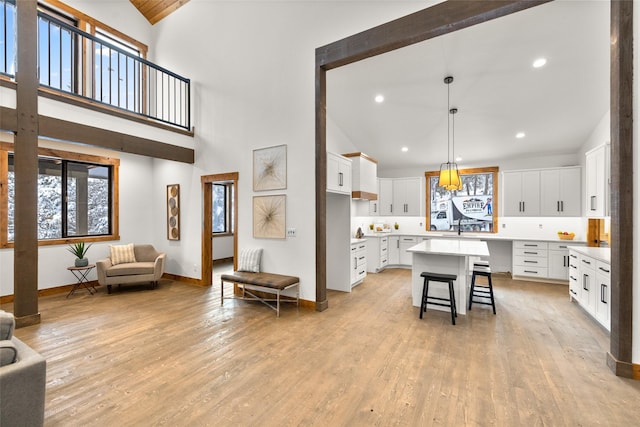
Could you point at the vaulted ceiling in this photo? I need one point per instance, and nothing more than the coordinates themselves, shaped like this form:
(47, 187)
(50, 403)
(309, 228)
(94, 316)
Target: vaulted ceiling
(155, 10)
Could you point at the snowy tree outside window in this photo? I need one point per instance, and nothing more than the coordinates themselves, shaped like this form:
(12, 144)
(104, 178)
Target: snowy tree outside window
(86, 212)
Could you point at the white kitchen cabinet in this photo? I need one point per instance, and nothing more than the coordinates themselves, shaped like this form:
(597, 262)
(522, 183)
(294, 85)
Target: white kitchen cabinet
(558, 263)
(597, 176)
(385, 196)
(374, 207)
(394, 250)
(603, 288)
(560, 192)
(574, 274)
(358, 263)
(530, 259)
(405, 243)
(364, 180)
(377, 253)
(521, 193)
(593, 292)
(587, 282)
(338, 174)
(407, 196)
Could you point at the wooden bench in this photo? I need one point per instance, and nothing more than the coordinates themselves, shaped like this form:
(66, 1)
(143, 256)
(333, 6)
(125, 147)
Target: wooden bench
(264, 282)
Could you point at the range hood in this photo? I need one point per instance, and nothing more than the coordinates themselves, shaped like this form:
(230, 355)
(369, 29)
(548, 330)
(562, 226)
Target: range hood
(364, 176)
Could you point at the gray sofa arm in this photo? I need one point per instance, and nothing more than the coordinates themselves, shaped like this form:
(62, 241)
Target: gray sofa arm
(158, 266)
(101, 268)
(22, 388)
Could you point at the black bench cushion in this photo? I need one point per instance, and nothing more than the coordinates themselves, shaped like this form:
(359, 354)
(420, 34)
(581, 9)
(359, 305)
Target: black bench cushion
(267, 280)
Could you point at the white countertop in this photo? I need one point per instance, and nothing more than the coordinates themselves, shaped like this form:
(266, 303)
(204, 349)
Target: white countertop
(601, 254)
(474, 236)
(456, 247)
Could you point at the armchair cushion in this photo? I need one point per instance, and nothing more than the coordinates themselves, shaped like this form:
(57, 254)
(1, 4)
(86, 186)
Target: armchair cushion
(121, 254)
(8, 352)
(7, 325)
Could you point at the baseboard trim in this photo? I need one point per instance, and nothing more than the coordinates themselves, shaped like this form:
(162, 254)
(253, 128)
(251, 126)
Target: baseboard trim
(623, 369)
(222, 260)
(23, 321)
(7, 299)
(184, 279)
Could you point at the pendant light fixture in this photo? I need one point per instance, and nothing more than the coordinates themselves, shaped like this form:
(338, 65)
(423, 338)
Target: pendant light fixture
(449, 175)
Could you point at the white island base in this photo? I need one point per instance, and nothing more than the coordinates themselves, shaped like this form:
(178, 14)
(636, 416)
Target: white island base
(445, 257)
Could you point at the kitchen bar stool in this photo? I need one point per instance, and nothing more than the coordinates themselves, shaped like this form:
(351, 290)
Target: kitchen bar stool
(426, 299)
(484, 292)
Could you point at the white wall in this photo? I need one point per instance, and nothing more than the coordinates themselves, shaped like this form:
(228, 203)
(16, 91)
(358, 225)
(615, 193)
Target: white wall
(223, 247)
(253, 87)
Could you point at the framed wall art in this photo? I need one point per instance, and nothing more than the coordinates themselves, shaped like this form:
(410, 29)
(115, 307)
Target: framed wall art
(173, 212)
(473, 207)
(269, 216)
(270, 168)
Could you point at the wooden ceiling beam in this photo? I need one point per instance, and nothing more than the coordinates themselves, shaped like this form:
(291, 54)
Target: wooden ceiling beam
(155, 10)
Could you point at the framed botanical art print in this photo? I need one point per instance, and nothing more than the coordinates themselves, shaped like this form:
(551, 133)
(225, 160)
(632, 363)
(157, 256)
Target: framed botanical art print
(270, 168)
(269, 216)
(173, 212)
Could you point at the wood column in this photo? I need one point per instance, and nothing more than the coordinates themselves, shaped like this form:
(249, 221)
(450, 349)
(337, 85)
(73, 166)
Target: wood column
(321, 186)
(622, 257)
(25, 253)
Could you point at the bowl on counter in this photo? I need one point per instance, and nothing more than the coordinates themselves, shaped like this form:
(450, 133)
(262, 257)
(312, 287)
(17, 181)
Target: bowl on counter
(568, 236)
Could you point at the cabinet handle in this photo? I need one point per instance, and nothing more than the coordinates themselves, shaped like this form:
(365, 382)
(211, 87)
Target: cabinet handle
(530, 245)
(572, 256)
(531, 253)
(529, 271)
(593, 203)
(340, 179)
(398, 244)
(558, 206)
(564, 261)
(561, 205)
(391, 207)
(523, 207)
(573, 292)
(572, 278)
(355, 262)
(587, 262)
(375, 207)
(603, 293)
(604, 269)
(530, 262)
(585, 282)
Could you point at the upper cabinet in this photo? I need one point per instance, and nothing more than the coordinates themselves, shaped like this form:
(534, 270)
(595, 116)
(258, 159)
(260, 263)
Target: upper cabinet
(385, 196)
(560, 192)
(407, 196)
(338, 174)
(597, 179)
(521, 193)
(364, 181)
(542, 192)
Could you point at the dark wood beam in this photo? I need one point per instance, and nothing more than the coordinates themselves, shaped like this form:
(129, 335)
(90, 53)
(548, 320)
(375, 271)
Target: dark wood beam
(622, 215)
(442, 18)
(25, 252)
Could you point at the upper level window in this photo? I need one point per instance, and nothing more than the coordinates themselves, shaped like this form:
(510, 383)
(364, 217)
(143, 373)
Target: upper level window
(8, 47)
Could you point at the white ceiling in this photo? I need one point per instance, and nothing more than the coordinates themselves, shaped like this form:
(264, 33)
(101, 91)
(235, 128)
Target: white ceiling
(496, 90)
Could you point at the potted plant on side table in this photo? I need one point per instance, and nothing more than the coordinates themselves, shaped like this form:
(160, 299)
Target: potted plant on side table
(80, 250)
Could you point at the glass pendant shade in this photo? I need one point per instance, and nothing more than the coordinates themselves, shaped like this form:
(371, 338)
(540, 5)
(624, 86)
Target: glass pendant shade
(449, 177)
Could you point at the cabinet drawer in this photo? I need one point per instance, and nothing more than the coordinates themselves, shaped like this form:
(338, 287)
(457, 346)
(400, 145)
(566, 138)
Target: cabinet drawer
(522, 244)
(530, 252)
(588, 263)
(529, 261)
(558, 246)
(408, 239)
(384, 242)
(520, 270)
(603, 268)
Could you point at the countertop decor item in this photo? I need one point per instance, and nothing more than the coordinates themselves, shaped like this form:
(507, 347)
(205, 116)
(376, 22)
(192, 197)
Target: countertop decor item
(565, 235)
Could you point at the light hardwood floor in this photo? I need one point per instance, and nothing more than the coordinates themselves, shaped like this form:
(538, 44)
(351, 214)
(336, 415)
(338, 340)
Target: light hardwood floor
(173, 356)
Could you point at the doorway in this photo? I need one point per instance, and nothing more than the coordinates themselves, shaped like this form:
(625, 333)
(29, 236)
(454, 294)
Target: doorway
(220, 223)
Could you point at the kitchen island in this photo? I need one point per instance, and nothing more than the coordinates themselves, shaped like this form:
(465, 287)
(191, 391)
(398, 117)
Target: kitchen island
(449, 256)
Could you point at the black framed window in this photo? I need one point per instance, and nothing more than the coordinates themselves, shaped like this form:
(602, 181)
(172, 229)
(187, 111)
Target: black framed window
(74, 199)
(223, 221)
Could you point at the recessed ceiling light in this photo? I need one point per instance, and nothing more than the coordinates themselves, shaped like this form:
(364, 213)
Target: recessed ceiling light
(520, 135)
(405, 149)
(540, 62)
(458, 159)
(379, 98)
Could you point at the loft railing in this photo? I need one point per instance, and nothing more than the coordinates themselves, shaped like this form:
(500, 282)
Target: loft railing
(78, 63)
